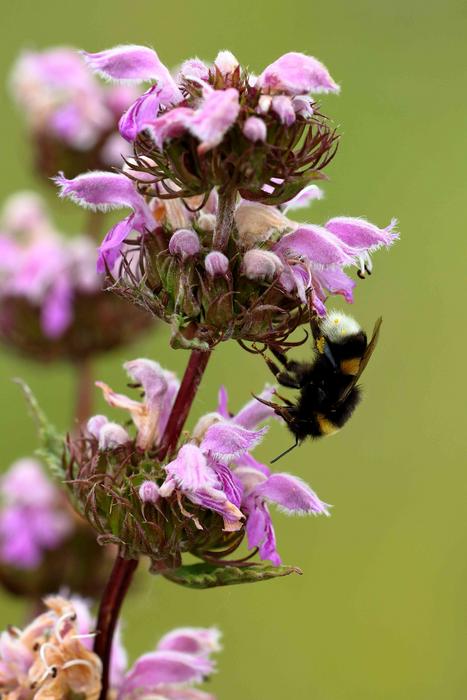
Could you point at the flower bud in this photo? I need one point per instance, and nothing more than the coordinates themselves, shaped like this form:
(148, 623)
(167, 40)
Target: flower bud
(112, 435)
(207, 222)
(216, 264)
(255, 129)
(95, 425)
(257, 222)
(226, 62)
(149, 492)
(204, 423)
(184, 243)
(264, 104)
(261, 265)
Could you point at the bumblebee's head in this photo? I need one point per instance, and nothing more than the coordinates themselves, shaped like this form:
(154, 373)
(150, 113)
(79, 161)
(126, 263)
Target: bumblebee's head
(345, 339)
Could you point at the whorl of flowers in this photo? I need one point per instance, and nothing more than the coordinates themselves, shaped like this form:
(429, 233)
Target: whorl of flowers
(71, 116)
(203, 498)
(220, 160)
(42, 540)
(51, 298)
(52, 659)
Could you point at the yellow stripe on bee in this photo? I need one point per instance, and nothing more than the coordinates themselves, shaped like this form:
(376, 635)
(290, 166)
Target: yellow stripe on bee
(350, 366)
(325, 425)
(320, 344)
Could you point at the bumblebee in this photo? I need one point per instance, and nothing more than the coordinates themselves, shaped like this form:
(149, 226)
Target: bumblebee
(328, 386)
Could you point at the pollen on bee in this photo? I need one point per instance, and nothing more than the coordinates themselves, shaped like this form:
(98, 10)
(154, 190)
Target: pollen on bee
(337, 325)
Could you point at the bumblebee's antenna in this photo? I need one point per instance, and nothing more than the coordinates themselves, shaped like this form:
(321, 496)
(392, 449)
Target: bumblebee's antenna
(282, 454)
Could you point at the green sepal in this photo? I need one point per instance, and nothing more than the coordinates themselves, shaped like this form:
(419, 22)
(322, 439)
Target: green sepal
(52, 442)
(200, 576)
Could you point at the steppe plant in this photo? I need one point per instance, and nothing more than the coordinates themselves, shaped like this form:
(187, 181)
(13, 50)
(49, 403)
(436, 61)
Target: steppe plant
(216, 162)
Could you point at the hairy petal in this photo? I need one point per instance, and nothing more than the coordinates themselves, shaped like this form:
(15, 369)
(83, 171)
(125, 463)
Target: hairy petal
(260, 532)
(316, 243)
(160, 667)
(291, 494)
(190, 469)
(255, 412)
(303, 198)
(134, 63)
(170, 125)
(215, 116)
(360, 234)
(297, 74)
(142, 112)
(226, 440)
(191, 640)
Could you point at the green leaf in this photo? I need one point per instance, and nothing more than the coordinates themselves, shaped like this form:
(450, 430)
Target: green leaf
(201, 576)
(52, 443)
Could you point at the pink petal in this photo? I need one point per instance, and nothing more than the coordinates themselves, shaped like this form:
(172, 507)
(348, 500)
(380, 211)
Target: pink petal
(255, 129)
(334, 281)
(170, 125)
(283, 107)
(135, 63)
(111, 246)
(191, 640)
(226, 440)
(142, 112)
(159, 667)
(191, 470)
(291, 494)
(316, 244)
(297, 74)
(215, 116)
(260, 532)
(255, 412)
(360, 234)
(57, 311)
(303, 199)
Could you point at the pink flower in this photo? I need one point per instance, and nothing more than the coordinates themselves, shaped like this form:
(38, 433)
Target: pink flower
(255, 129)
(216, 114)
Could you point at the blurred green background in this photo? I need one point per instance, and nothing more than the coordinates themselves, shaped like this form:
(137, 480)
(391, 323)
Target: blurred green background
(380, 612)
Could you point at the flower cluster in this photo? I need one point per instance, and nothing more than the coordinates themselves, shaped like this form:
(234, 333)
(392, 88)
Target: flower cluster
(219, 257)
(206, 496)
(52, 659)
(42, 540)
(51, 299)
(72, 117)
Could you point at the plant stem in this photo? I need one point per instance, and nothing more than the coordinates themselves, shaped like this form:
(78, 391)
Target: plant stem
(84, 387)
(224, 221)
(112, 599)
(191, 380)
(123, 570)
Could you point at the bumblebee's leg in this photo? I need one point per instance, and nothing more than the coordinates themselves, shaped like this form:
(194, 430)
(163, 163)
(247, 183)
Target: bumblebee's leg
(278, 409)
(284, 377)
(282, 398)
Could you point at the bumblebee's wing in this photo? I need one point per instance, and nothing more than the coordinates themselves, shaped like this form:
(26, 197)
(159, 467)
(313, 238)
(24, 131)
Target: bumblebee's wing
(364, 361)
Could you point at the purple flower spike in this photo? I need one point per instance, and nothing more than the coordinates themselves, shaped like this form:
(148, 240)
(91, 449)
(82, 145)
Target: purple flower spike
(184, 243)
(136, 64)
(297, 74)
(215, 116)
(216, 264)
(316, 243)
(255, 129)
(142, 112)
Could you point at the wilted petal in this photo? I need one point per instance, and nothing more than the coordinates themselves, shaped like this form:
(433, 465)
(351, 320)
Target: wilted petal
(226, 440)
(135, 63)
(297, 74)
(190, 470)
(257, 222)
(135, 408)
(215, 116)
(191, 640)
(259, 264)
(291, 494)
(160, 667)
(315, 243)
(153, 378)
(360, 234)
(142, 112)
(303, 198)
(283, 107)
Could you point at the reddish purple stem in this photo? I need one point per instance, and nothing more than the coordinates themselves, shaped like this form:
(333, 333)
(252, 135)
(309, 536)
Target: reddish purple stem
(123, 570)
